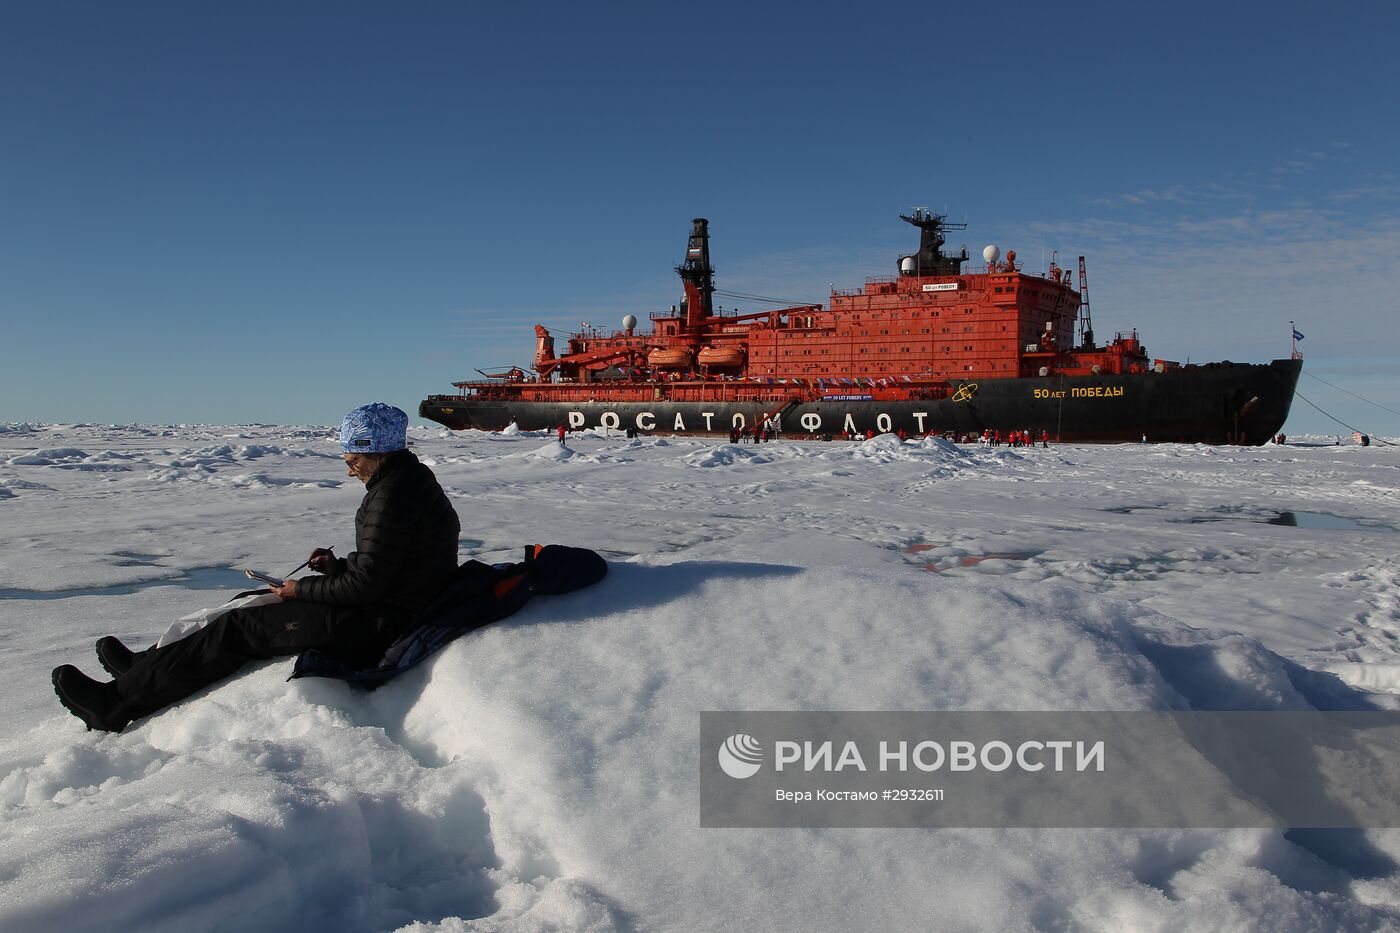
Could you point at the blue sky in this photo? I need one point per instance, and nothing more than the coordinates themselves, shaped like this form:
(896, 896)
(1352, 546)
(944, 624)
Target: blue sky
(272, 212)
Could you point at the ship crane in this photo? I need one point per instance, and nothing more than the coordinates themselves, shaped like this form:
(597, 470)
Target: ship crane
(580, 363)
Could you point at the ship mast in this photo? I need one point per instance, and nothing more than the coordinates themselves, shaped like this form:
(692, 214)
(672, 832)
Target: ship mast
(698, 276)
(930, 259)
(1086, 324)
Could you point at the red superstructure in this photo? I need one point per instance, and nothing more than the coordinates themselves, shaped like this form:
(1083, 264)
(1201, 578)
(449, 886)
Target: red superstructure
(903, 336)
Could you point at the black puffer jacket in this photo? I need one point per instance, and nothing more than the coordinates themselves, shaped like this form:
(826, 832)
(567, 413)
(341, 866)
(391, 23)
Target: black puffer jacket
(405, 544)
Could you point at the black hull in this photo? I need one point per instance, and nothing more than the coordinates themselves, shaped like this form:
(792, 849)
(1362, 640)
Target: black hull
(1214, 403)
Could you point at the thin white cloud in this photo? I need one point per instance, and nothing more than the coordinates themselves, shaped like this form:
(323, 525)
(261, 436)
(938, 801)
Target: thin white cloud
(1376, 188)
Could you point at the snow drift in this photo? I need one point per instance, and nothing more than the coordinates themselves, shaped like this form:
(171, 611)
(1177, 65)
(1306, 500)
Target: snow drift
(541, 773)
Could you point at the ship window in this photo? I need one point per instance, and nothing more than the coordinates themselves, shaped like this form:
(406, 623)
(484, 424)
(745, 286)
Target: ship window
(884, 332)
(999, 289)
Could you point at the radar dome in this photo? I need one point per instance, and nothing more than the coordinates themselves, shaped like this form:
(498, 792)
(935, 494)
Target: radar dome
(906, 264)
(991, 253)
(629, 323)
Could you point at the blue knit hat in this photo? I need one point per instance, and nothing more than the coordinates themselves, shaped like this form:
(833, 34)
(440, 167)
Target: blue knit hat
(374, 429)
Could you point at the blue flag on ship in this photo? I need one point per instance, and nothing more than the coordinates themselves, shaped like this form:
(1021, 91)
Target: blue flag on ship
(1296, 334)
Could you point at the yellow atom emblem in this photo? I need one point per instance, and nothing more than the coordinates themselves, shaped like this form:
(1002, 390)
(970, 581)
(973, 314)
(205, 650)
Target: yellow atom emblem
(965, 391)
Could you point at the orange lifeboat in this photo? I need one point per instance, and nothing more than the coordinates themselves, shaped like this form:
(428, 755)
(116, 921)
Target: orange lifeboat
(722, 357)
(677, 358)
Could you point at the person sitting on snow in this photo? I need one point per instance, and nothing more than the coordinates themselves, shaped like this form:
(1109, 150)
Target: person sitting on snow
(405, 554)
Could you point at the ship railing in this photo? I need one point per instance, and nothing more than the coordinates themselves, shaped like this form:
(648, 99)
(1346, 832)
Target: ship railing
(967, 269)
(672, 315)
(869, 280)
(983, 269)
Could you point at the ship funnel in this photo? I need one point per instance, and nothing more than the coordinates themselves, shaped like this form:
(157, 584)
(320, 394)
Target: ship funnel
(698, 276)
(991, 253)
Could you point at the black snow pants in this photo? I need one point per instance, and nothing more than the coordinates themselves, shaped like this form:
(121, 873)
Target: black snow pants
(162, 676)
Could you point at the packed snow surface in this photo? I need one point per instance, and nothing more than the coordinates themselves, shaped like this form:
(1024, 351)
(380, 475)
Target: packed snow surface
(542, 774)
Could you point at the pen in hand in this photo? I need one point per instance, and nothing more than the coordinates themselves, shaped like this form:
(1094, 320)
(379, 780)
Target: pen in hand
(308, 560)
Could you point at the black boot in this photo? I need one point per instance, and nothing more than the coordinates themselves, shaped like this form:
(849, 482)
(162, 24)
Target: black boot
(116, 658)
(95, 703)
